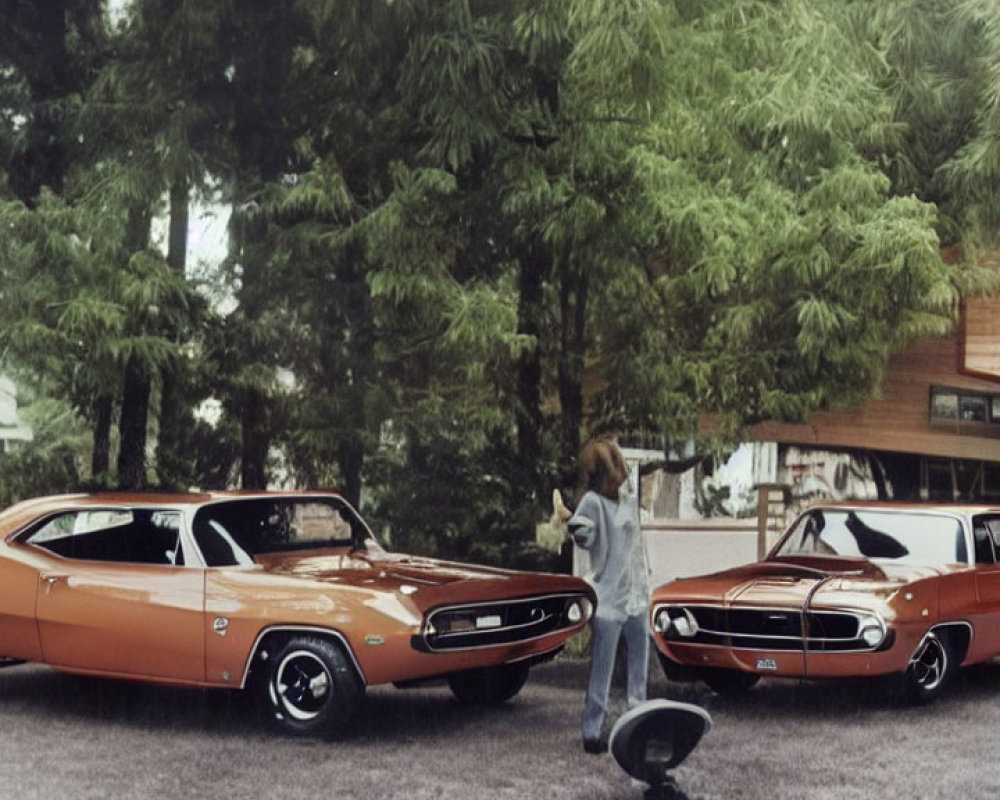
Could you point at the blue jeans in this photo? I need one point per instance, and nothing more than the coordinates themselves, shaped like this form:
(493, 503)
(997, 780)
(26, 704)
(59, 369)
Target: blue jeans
(606, 633)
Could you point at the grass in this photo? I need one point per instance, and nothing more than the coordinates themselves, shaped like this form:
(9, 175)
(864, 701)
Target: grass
(73, 737)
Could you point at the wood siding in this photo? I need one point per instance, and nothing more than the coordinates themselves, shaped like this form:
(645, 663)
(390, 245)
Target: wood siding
(981, 340)
(899, 418)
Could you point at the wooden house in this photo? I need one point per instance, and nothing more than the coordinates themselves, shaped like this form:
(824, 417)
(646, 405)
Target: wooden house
(934, 427)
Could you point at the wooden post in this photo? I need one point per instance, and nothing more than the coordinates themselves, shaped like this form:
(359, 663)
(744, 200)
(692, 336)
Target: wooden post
(771, 499)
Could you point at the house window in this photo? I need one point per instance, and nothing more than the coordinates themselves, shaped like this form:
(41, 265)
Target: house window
(944, 404)
(972, 407)
(958, 407)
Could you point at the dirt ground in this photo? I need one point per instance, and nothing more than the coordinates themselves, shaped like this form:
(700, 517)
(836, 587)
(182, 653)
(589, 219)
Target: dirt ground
(70, 737)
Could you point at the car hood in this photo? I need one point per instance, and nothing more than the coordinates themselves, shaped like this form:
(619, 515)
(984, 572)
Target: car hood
(795, 582)
(426, 581)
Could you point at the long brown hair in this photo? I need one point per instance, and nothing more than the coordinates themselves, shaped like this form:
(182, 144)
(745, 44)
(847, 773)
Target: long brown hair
(602, 467)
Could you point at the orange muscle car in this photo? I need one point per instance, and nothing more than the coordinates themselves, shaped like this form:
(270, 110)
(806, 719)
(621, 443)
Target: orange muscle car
(286, 594)
(906, 591)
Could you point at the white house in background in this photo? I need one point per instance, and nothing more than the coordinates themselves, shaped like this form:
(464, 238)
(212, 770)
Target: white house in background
(13, 434)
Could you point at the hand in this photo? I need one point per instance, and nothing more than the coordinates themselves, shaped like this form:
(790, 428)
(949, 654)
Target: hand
(559, 512)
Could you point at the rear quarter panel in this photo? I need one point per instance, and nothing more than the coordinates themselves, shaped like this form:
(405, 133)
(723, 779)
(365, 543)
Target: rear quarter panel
(18, 586)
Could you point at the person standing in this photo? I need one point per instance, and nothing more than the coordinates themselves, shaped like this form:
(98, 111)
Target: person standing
(605, 525)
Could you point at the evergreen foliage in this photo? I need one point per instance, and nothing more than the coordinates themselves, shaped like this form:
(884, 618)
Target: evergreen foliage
(463, 231)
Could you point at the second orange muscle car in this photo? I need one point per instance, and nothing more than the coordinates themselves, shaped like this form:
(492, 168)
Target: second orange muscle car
(850, 590)
(286, 594)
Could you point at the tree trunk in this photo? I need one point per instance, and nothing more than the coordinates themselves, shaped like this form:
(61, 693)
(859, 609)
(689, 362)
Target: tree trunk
(177, 235)
(132, 426)
(359, 374)
(264, 35)
(100, 463)
(351, 457)
(137, 386)
(249, 248)
(246, 241)
(255, 442)
(172, 461)
(535, 268)
(39, 47)
(573, 292)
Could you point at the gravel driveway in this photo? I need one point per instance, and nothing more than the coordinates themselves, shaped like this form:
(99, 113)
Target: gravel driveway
(70, 737)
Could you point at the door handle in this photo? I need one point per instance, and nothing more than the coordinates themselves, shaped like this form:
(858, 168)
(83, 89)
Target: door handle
(51, 579)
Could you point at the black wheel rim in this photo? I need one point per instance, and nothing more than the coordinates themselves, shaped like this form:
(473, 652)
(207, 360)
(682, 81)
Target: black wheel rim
(302, 685)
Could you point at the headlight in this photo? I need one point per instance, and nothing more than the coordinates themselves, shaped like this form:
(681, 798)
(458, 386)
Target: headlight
(686, 625)
(661, 621)
(871, 631)
(578, 610)
(674, 620)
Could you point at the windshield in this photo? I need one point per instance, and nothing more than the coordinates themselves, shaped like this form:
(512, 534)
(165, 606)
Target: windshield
(903, 536)
(234, 532)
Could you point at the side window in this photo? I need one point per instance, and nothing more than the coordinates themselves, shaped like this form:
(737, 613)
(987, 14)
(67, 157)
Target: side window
(986, 535)
(317, 523)
(218, 547)
(234, 532)
(167, 525)
(124, 535)
(73, 533)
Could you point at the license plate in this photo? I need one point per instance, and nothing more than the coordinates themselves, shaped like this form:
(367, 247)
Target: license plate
(768, 664)
(492, 621)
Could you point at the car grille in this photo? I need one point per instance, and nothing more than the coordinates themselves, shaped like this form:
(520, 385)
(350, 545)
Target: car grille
(772, 629)
(489, 624)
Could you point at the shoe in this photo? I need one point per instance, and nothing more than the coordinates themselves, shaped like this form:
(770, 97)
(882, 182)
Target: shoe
(595, 746)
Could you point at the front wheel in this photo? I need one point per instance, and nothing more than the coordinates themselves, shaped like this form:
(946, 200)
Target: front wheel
(310, 688)
(929, 670)
(488, 686)
(727, 681)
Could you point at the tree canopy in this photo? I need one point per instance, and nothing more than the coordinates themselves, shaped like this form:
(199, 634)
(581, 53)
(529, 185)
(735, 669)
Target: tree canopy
(464, 232)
